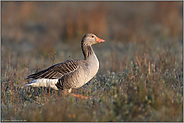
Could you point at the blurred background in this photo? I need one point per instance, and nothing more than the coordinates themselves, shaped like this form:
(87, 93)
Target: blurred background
(129, 28)
(141, 62)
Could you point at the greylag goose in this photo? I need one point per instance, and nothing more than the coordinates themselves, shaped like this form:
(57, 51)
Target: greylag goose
(71, 73)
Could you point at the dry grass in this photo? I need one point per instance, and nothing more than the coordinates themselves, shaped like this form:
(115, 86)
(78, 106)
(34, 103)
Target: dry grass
(141, 67)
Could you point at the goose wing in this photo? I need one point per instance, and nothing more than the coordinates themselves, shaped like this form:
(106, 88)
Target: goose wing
(56, 71)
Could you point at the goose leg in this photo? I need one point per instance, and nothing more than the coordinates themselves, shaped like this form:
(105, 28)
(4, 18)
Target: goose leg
(80, 96)
(68, 91)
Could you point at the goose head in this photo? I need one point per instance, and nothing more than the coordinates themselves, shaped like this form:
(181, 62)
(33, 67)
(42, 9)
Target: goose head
(90, 39)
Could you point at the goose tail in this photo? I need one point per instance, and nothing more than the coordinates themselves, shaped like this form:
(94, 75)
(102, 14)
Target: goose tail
(44, 83)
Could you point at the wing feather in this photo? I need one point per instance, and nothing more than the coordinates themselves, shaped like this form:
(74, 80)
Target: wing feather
(56, 71)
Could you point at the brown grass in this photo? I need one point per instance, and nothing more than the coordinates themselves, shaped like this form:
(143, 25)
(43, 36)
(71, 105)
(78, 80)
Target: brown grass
(141, 66)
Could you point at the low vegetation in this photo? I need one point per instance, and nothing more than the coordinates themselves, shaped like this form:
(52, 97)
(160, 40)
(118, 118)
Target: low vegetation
(141, 67)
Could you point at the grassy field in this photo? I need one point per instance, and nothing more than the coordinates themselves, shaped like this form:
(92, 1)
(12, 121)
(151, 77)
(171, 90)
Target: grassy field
(141, 63)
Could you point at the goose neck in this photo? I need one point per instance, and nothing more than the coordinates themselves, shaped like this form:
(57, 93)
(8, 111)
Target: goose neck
(87, 51)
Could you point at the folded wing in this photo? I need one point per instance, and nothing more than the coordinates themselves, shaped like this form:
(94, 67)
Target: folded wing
(56, 71)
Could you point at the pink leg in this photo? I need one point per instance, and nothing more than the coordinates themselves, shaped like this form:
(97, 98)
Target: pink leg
(80, 96)
(68, 91)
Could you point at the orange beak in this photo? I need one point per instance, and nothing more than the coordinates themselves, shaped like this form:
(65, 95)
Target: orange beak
(98, 40)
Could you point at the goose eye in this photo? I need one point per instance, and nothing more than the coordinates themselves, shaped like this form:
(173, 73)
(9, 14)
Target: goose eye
(92, 36)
